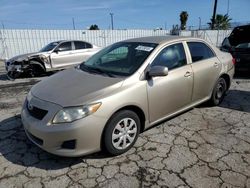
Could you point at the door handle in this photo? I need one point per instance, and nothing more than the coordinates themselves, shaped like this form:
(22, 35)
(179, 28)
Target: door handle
(187, 74)
(216, 64)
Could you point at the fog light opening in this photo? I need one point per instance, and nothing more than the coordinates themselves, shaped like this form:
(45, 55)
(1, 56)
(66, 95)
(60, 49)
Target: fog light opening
(70, 144)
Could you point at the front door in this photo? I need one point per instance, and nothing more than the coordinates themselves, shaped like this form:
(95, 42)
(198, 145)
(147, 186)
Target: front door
(170, 93)
(62, 55)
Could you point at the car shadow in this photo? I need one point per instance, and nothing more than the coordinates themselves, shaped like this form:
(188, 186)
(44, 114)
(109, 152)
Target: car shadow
(235, 100)
(4, 77)
(18, 149)
(242, 75)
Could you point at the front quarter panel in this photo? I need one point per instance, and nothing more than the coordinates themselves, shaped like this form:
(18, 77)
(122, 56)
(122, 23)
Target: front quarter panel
(132, 93)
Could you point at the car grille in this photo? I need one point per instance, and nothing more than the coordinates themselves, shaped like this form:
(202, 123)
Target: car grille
(35, 112)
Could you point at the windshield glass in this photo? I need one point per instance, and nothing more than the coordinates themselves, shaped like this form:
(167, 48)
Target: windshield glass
(121, 59)
(49, 47)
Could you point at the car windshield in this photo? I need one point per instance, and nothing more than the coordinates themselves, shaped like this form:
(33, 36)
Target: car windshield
(119, 59)
(49, 47)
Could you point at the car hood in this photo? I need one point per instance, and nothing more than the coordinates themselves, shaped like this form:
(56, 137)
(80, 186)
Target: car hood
(240, 35)
(23, 57)
(74, 87)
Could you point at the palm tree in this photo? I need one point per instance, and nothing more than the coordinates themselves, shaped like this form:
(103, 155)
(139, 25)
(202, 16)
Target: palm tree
(183, 19)
(221, 22)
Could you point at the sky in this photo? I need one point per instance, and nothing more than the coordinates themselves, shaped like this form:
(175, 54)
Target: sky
(127, 14)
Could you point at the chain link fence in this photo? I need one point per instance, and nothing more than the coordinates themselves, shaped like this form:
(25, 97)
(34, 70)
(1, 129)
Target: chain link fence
(215, 37)
(15, 42)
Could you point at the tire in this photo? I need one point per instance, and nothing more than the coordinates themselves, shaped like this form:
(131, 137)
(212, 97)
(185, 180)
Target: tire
(116, 134)
(12, 75)
(36, 69)
(219, 92)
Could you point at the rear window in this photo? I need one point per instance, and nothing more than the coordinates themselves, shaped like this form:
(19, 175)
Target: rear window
(240, 35)
(200, 51)
(82, 45)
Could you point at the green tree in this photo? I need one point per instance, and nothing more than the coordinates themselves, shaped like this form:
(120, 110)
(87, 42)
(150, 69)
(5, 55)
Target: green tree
(94, 27)
(183, 19)
(221, 22)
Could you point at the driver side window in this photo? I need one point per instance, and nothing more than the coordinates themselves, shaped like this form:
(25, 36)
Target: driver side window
(171, 57)
(66, 46)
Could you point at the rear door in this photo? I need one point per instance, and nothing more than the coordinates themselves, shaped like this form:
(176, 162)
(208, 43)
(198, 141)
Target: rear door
(62, 55)
(172, 92)
(206, 68)
(82, 51)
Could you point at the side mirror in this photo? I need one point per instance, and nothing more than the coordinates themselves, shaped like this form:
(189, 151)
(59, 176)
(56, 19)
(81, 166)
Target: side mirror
(58, 50)
(157, 71)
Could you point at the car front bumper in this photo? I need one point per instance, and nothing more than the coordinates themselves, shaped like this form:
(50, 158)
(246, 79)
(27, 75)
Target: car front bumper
(78, 138)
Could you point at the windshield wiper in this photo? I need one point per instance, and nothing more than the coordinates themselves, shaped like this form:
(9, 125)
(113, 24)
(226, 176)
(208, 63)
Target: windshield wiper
(98, 70)
(95, 70)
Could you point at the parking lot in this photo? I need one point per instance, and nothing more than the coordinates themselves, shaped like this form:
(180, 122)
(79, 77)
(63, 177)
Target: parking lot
(204, 147)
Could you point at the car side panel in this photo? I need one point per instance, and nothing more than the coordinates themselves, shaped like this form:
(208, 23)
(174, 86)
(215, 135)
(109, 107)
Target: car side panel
(169, 93)
(206, 73)
(83, 54)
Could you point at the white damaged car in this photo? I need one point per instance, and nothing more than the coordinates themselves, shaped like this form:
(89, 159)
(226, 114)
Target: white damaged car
(55, 55)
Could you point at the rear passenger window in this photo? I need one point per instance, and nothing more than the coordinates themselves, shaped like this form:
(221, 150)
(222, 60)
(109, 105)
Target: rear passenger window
(200, 51)
(82, 45)
(88, 45)
(172, 57)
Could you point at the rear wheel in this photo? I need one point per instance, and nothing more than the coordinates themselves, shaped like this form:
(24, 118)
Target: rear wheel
(219, 92)
(121, 132)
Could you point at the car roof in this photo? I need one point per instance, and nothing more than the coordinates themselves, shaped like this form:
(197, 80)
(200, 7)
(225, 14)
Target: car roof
(60, 41)
(159, 39)
(240, 35)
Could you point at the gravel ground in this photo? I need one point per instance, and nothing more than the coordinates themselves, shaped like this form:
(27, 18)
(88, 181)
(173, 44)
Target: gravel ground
(204, 147)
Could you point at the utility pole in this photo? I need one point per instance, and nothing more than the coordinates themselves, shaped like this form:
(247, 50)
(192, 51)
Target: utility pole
(73, 22)
(199, 23)
(214, 14)
(227, 7)
(2, 25)
(112, 21)
(165, 25)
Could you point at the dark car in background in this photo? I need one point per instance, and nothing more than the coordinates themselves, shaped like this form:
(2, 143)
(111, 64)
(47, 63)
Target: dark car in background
(238, 44)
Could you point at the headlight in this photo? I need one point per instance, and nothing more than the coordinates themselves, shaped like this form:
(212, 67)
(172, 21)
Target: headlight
(70, 114)
(29, 96)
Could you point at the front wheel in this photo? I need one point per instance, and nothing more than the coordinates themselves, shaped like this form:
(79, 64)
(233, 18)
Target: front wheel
(12, 75)
(218, 92)
(36, 69)
(121, 132)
